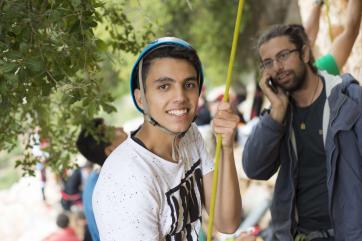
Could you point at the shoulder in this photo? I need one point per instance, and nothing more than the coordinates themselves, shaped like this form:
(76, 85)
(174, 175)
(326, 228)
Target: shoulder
(122, 157)
(355, 90)
(351, 87)
(125, 183)
(127, 166)
(354, 87)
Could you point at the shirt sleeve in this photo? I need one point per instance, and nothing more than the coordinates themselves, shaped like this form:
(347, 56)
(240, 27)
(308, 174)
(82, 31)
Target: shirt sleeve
(328, 63)
(125, 204)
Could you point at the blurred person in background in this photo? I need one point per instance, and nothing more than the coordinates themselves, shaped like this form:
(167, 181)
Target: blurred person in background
(342, 44)
(71, 195)
(65, 232)
(95, 147)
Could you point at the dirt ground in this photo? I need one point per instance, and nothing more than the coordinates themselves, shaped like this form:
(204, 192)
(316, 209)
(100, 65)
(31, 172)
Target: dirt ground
(24, 215)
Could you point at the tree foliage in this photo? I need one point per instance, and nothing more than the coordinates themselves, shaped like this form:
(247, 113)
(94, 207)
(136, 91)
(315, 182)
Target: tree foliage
(209, 26)
(50, 60)
(53, 70)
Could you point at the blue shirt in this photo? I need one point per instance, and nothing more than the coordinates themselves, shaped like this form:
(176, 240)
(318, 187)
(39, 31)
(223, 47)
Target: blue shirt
(87, 205)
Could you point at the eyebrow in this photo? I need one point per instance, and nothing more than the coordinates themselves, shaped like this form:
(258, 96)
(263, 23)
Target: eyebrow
(282, 51)
(192, 78)
(163, 80)
(275, 55)
(168, 79)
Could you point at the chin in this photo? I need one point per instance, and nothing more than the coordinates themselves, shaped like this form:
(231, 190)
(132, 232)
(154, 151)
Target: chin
(180, 129)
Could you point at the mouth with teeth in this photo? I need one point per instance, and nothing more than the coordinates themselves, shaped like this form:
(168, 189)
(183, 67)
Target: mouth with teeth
(178, 112)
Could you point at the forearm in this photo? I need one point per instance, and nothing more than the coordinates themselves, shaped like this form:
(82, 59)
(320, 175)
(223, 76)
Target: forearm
(312, 24)
(261, 151)
(354, 14)
(343, 43)
(228, 203)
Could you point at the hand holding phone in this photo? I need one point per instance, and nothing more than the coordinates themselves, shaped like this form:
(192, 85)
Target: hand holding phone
(277, 97)
(272, 85)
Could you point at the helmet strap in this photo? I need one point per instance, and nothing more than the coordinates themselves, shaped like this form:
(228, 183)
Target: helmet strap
(142, 89)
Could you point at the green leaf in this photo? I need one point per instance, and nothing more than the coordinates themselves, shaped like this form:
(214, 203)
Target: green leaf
(24, 47)
(18, 163)
(101, 45)
(108, 108)
(35, 64)
(92, 109)
(8, 67)
(76, 3)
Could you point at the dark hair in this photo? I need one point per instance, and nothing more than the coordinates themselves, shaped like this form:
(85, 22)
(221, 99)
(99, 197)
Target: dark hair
(169, 51)
(91, 143)
(62, 220)
(296, 35)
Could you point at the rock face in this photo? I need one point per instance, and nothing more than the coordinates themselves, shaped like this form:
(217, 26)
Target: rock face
(337, 14)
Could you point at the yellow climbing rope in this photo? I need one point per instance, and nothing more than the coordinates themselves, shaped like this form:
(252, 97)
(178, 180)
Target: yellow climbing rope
(218, 140)
(329, 21)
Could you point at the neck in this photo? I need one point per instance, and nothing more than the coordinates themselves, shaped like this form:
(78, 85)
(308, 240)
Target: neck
(156, 140)
(309, 91)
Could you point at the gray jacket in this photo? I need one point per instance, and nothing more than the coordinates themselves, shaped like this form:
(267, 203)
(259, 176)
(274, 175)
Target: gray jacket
(271, 147)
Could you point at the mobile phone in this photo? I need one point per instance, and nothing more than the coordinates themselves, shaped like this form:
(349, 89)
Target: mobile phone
(272, 85)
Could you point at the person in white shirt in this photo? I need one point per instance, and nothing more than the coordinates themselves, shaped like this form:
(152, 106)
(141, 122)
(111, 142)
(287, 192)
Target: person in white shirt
(154, 185)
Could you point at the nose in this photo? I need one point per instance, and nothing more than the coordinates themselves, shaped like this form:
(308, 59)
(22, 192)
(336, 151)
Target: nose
(180, 93)
(278, 65)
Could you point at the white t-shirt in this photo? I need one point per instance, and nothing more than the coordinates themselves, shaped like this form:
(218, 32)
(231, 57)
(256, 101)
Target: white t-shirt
(140, 196)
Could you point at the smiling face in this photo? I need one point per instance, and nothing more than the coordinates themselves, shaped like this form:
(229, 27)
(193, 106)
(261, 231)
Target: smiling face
(288, 72)
(172, 92)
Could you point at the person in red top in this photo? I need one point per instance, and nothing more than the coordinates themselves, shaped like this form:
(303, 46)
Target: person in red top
(65, 232)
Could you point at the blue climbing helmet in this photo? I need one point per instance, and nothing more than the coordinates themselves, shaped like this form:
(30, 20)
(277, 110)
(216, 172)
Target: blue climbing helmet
(159, 43)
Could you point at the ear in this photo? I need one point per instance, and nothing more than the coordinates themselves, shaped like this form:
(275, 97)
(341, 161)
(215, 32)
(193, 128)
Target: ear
(137, 95)
(306, 51)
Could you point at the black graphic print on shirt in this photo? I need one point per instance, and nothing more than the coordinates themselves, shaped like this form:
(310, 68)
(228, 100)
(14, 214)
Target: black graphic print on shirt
(185, 202)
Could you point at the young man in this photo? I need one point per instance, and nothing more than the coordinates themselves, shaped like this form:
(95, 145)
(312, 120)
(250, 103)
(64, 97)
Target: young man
(341, 48)
(313, 136)
(95, 144)
(153, 186)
